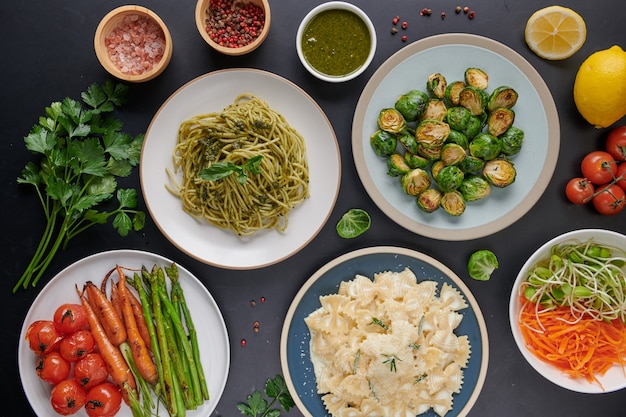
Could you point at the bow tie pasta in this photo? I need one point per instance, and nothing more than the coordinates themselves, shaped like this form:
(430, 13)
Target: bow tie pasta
(387, 347)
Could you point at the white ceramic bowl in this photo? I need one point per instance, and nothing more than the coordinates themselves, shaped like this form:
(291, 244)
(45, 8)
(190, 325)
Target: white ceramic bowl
(332, 5)
(615, 378)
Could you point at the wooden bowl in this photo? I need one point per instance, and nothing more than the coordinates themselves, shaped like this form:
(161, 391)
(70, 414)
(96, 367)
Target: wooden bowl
(205, 23)
(113, 52)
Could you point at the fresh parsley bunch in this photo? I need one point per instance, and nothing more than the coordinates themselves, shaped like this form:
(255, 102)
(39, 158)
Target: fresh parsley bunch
(257, 405)
(83, 151)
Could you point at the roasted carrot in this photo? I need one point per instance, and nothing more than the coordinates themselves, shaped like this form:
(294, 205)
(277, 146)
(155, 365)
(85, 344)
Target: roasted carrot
(141, 354)
(109, 318)
(115, 299)
(117, 366)
(582, 347)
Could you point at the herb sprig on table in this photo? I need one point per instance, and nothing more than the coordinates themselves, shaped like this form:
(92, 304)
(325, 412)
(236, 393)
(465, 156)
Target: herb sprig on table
(83, 151)
(257, 405)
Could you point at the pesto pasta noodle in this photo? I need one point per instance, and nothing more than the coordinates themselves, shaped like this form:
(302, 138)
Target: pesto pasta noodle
(245, 129)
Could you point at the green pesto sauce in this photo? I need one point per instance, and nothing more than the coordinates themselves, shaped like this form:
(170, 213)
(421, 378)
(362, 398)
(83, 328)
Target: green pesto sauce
(336, 42)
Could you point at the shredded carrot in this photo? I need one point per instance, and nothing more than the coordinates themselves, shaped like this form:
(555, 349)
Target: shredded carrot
(582, 347)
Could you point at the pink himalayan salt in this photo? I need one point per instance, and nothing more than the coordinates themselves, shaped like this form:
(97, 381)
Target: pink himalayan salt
(136, 45)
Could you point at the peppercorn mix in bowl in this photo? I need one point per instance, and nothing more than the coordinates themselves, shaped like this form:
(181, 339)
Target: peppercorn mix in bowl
(233, 27)
(133, 44)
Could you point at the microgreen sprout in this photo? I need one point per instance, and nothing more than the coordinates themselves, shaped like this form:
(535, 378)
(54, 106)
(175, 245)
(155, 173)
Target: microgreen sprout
(391, 361)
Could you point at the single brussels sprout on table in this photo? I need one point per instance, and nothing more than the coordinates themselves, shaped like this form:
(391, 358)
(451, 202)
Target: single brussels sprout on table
(453, 203)
(452, 154)
(396, 165)
(500, 120)
(391, 120)
(458, 118)
(512, 140)
(449, 178)
(485, 146)
(499, 172)
(412, 104)
(383, 143)
(481, 264)
(476, 77)
(432, 133)
(429, 200)
(502, 96)
(436, 110)
(415, 182)
(451, 96)
(474, 188)
(473, 99)
(436, 85)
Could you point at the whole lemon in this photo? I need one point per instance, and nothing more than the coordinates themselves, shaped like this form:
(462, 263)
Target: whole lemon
(600, 87)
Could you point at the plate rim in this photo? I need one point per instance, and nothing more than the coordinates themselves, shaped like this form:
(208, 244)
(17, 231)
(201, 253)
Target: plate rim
(371, 250)
(543, 93)
(117, 253)
(216, 262)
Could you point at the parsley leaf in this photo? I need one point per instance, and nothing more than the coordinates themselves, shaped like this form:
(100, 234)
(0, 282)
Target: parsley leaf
(258, 406)
(221, 170)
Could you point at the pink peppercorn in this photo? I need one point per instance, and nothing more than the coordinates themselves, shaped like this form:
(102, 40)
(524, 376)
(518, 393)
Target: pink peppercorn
(404, 38)
(232, 24)
(471, 15)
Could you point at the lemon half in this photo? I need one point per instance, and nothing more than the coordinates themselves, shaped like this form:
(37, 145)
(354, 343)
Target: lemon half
(555, 32)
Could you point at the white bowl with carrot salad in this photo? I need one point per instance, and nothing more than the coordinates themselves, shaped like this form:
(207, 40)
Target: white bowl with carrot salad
(568, 310)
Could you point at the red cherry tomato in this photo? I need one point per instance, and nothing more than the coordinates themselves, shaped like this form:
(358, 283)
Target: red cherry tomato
(67, 397)
(103, 400)
(42, 336)
(616, 143)
(90, 370)
(599, 167)
(579, 190)
(76, 345)
(621, 174)
(70, 317)
(610, 199)
(53, 368)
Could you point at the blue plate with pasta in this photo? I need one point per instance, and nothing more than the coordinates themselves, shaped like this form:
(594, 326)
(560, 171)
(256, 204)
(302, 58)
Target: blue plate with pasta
(227, 247)
(296, 347)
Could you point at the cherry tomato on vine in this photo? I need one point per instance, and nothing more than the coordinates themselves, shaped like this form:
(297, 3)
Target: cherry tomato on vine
(616, 143)
(90, 370)
(42, 336)
(579, 190)
(621, 173)
(67, 397)
(76, 345)
(70, 317)
(103, 400)
(53, 368)
(609, 200)
(599, 167)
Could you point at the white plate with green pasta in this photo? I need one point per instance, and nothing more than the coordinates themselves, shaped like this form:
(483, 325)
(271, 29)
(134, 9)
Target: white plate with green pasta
(217, 243)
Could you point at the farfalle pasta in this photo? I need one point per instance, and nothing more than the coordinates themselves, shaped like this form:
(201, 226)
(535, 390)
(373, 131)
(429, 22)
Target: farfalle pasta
(387, 347)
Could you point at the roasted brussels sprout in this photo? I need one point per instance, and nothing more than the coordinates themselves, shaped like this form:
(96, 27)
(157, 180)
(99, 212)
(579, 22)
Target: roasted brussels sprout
(436, 167)
(415, 182)
(407, 140)
(476, 77)
(499, 172)
(391, 120)
(449, 178)
(458, 118)
(416, 161)
(453, 203)
(436, 110)
(430, 153)
(412, 104)
(452, 154)
(474, 188)
(451, 96)
(458, 137)
(432, 133)
(429, 200)
(396, 165)
(502, 97)
(383, 143)
(473, 99)
(485, 146)
(512, 140)
(436, 85)
(472, 165)
(500, 120)
(474, 127)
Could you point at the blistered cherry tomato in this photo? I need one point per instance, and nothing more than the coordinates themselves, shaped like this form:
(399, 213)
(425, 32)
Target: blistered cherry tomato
(610, 199)
(70, 317)
(90, 370)
(53, 368)
(579, 190)
(599, 167)
(616, 143)
(76, 345)
(42, 336)
(103, 400)
(67, 397)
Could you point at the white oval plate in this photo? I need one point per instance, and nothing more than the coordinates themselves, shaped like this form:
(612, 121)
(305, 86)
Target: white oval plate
(535, 114)
(204, 242)
(208, 320)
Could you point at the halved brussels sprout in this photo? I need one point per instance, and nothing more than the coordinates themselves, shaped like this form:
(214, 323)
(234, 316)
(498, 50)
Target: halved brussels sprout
(432, 133)
(474, 188)
(512, 140)
(391, 120)
(429, 200)
(383, 143)
(485, 146)
(436, 110)
(451, 96)
(500, 120)
(416, 161)
(396, 165)
(436, 167)
(452, 154)
(430, 153)
(436, 85)
(458, 137)
(458, 118)
(449, 178)
(408, 141)
(415, 182)
(502, 97)
(472, 165)
(476, 77)
(473, 99)
(499, 172)
(412, 104)
(453, 203)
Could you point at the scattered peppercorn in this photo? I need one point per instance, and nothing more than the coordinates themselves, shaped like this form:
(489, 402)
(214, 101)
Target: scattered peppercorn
(471, 15)
(458, 9)
(425, 12)
(404, 25)
(394, 31)
(443, 15)
(262, 299)
(395, 20)
(243, 342)
(465, 9)
(404, 38)
(252, 303)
